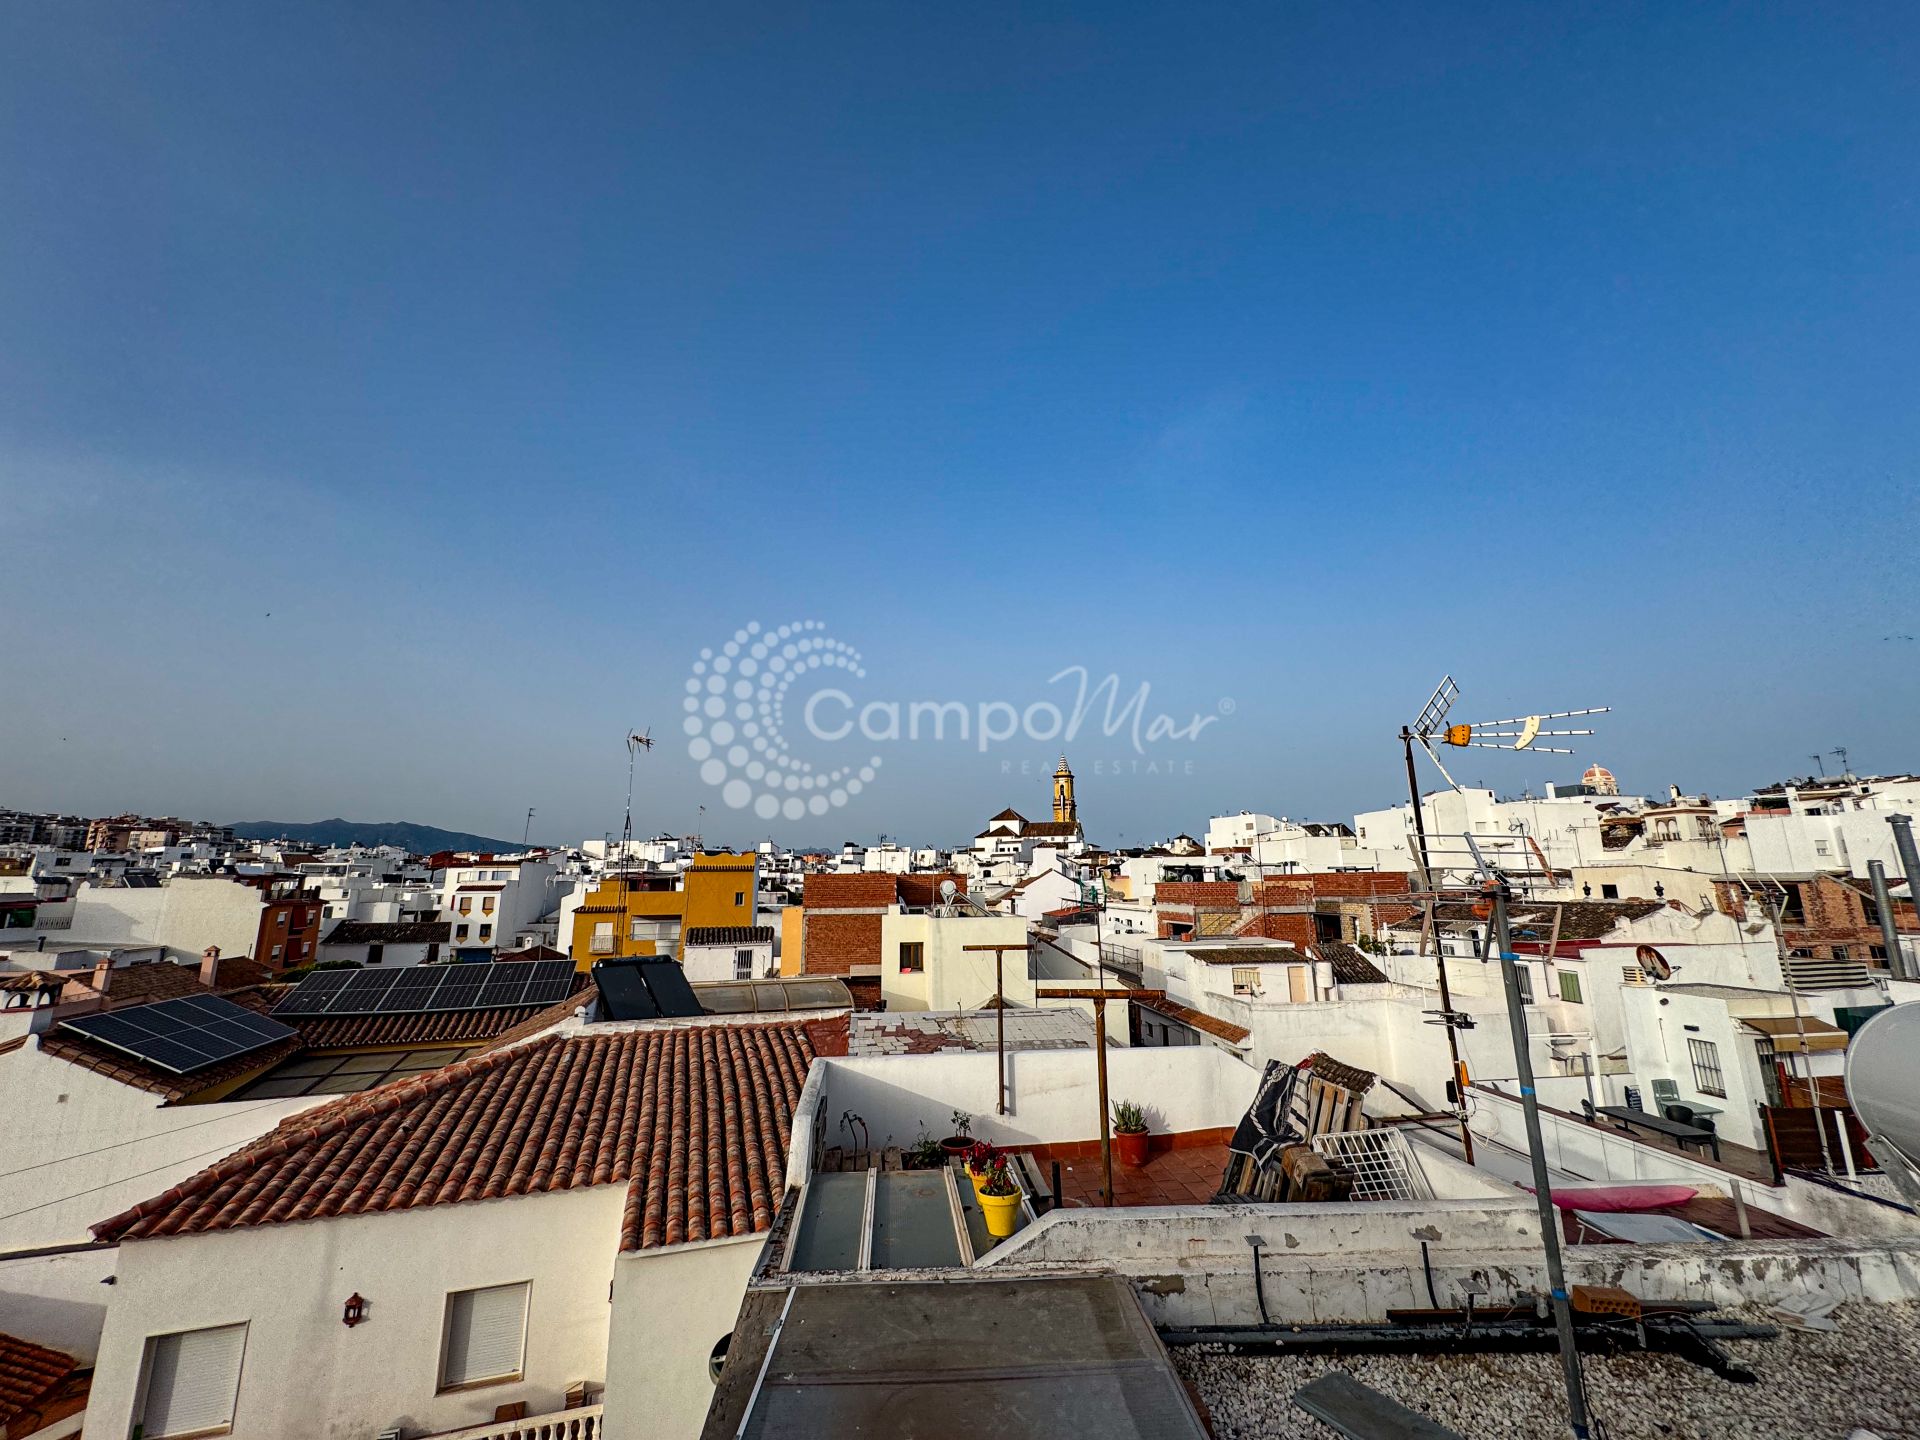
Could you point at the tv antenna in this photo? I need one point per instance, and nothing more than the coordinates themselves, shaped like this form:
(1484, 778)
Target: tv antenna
(637, 740)
(529, 830)
(1839, 752)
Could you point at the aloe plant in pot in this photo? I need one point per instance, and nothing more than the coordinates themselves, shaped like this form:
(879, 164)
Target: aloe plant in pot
(1129, 1134)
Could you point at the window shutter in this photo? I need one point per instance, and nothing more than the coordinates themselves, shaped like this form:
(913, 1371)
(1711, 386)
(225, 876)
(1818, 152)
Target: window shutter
(486, 1334)
(192, 1380)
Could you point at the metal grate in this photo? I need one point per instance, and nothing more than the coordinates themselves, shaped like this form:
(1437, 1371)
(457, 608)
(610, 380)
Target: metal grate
(1380, 1162)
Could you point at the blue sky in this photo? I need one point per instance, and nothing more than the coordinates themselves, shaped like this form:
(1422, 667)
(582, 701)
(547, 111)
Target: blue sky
(395, 399)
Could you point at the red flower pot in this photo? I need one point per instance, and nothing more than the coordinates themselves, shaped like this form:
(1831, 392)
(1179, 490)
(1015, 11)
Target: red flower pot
(1130, 1147)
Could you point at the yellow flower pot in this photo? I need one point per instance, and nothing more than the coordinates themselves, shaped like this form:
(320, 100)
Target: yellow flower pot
(1002, 1213)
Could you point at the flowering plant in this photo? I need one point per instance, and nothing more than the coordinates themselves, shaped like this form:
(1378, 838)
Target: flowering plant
(999, 1178)
(982, 1158)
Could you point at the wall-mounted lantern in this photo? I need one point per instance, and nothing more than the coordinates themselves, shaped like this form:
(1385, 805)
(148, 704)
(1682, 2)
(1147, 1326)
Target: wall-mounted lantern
(356, 1310)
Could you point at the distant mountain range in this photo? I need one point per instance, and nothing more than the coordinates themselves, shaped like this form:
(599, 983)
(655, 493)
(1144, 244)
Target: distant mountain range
(418, 839)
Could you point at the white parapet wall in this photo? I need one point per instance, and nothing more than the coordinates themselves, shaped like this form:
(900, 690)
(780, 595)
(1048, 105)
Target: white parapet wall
(1319, 1263)
(1052, 1095)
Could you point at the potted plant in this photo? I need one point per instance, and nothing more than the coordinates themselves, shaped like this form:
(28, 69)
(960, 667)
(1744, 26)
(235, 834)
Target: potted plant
(980, 1162)
(923, 1154)
(1129, 1134)
(961, 1140)
(1000, 1200)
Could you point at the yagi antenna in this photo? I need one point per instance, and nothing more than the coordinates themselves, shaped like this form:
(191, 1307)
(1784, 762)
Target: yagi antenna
(1518, 733)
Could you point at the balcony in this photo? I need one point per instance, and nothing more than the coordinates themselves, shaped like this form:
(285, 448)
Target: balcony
(581, 1423)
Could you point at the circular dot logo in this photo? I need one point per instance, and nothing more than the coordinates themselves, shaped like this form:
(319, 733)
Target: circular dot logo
(736, 706)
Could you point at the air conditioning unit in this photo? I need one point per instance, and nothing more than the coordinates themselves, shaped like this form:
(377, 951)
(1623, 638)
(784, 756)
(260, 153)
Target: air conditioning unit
(392, 1432)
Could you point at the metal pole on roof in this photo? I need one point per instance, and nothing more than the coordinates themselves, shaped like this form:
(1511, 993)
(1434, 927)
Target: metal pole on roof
(1910, 871)
(1889, 932)
(1439, 949)
(1498, 892)
(1000, 1012)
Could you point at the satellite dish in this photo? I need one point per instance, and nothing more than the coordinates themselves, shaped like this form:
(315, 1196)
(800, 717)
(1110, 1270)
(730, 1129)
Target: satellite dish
(1652, 963)
(946, 892)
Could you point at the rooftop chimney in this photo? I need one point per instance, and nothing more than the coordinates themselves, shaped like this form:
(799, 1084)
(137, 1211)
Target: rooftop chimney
(103, 973)
(210, 967)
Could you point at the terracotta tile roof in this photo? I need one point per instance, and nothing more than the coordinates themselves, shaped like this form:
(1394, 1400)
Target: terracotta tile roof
(30, 981)
(7, 1047)
(694, 1119)
(1247, 955)
(531, 953)
(1157, 1001)
(1336, 1072)
(729, 935)
(1065, 829)
(1350, 963)
(150, 980)
(29, 1375)
(353, 1032)
(546, 1019)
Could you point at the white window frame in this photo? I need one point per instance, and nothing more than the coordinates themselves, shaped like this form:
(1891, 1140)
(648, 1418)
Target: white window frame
(1703, 1056)
(149, 1353)
(445, 1385)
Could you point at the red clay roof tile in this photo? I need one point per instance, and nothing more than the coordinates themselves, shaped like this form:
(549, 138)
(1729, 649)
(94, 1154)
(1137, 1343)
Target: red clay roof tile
(29, 1374)
(695, 1119)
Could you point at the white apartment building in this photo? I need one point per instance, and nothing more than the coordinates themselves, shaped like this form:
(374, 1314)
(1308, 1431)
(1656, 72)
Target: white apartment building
(490, 904)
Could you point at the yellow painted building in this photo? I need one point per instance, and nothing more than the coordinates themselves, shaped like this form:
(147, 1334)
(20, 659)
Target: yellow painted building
(633, 915)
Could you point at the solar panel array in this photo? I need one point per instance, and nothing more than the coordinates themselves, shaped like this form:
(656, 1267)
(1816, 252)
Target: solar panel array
(645, 989)
(182, 1035)
(419, 989)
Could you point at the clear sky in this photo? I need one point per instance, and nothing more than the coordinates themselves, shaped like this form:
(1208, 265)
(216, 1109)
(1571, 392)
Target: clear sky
(394, 399)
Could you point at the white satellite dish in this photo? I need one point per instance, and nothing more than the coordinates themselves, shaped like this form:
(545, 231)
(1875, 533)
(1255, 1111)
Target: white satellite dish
(947, 891)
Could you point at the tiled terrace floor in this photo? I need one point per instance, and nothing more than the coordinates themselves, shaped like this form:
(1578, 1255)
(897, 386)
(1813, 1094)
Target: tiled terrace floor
(1187, 1176)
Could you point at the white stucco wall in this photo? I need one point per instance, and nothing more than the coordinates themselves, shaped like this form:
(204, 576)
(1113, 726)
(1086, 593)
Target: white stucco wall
(186, 915)
(955, 977)
(82, 1147)
(707, 963)
(669, 1308)
(1051, 1093)
(57, 1300)
(308, 1376)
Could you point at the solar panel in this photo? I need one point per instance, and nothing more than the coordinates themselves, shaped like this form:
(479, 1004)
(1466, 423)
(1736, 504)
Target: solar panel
(671, 992)
(624, 991)
(182, 1035)
(460, 989)
(364, 993)
(552, 982)
(414, 992)
(645, 989)
(426, 988)
(503, 989)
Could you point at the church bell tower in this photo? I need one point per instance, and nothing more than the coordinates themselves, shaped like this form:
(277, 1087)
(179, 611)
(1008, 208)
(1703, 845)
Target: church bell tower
(1064, 812)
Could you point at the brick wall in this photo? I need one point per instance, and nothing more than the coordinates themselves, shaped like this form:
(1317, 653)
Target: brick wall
(849, 892)
(831, 944)
(1196, 892)
(922, 890)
